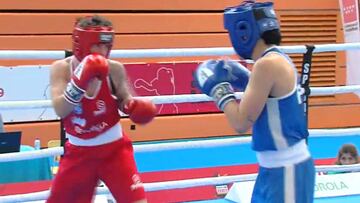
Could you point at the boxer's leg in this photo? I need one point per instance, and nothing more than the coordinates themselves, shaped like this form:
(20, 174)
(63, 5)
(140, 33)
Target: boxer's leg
(120, 174)
(289, 184)
(76, 178)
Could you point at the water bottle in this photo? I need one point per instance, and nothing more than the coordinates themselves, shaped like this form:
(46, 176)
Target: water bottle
(37, 144)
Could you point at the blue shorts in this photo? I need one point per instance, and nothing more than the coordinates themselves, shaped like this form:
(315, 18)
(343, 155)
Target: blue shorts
(290, 184)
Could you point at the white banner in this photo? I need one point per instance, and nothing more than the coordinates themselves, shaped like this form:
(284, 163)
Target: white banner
(325, 186)
(25, 83)
(337, 185)
(350, 19)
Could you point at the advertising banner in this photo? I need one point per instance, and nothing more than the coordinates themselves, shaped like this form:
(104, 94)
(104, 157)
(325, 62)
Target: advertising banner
(350, 20)
(25, 83)
(326, 186)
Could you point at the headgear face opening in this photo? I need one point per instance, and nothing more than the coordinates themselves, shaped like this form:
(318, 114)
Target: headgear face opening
(85, 38)
(246, 23)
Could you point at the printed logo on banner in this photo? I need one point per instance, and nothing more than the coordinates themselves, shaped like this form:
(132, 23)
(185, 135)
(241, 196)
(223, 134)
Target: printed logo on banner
(337, 185)
(163, 83)
(349, 11)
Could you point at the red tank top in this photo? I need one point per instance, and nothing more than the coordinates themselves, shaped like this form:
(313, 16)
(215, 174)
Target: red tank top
(93, 116)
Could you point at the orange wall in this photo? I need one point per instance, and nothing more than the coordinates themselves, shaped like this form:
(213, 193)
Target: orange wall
(158, 5)
(47, 24)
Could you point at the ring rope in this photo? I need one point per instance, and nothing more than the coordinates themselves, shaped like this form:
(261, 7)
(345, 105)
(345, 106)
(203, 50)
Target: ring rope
(56, 151)
(338, 168)
(177, 184)
(19, 156)
(174, 52)
(182, 98)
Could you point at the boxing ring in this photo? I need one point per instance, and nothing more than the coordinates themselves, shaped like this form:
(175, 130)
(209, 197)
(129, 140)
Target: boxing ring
(174, 156)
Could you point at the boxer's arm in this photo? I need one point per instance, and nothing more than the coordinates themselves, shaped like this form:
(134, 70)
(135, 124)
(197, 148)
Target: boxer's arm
(59, 78)
(119, 78)
(140, 111)
(242, 116)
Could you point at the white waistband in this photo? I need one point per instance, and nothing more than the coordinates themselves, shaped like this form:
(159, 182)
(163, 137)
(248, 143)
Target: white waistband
(112, 134)
(292, 155)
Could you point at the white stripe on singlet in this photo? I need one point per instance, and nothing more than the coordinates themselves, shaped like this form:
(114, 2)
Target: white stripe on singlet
(274, 121)
(280, 158)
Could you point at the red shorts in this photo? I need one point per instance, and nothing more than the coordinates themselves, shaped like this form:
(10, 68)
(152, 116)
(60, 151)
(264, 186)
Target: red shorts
(82, 167)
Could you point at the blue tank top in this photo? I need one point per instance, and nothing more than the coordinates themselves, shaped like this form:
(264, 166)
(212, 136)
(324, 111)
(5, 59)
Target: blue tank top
(282, 122)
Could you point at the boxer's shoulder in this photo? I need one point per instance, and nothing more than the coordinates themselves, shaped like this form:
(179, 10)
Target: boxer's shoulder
(61, 63)
(61, 67)
(115, 64)
(116, 68)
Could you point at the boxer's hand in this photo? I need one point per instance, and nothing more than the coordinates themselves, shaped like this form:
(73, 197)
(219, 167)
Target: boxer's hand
(92, 66)
(140, 111)
(213, 79)
(237, 74)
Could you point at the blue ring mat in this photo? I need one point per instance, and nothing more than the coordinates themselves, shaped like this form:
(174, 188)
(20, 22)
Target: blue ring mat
(237, 154)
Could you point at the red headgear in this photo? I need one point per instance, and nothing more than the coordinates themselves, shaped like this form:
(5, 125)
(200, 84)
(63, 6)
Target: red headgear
(84, 38)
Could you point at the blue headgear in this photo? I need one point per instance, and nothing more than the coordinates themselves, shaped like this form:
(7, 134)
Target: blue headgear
(246, 23)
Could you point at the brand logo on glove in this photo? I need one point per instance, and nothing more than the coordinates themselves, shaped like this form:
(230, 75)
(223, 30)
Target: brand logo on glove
(74, 92)
(79, 69)
(204, 75)
(221, 90)
(219, 93)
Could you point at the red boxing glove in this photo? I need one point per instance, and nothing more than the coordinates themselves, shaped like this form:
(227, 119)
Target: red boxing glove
(140, 111)
(92, 66)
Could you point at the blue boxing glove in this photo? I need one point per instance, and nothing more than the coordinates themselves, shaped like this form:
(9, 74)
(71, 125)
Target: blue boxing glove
(213, 79)
(238, 75)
